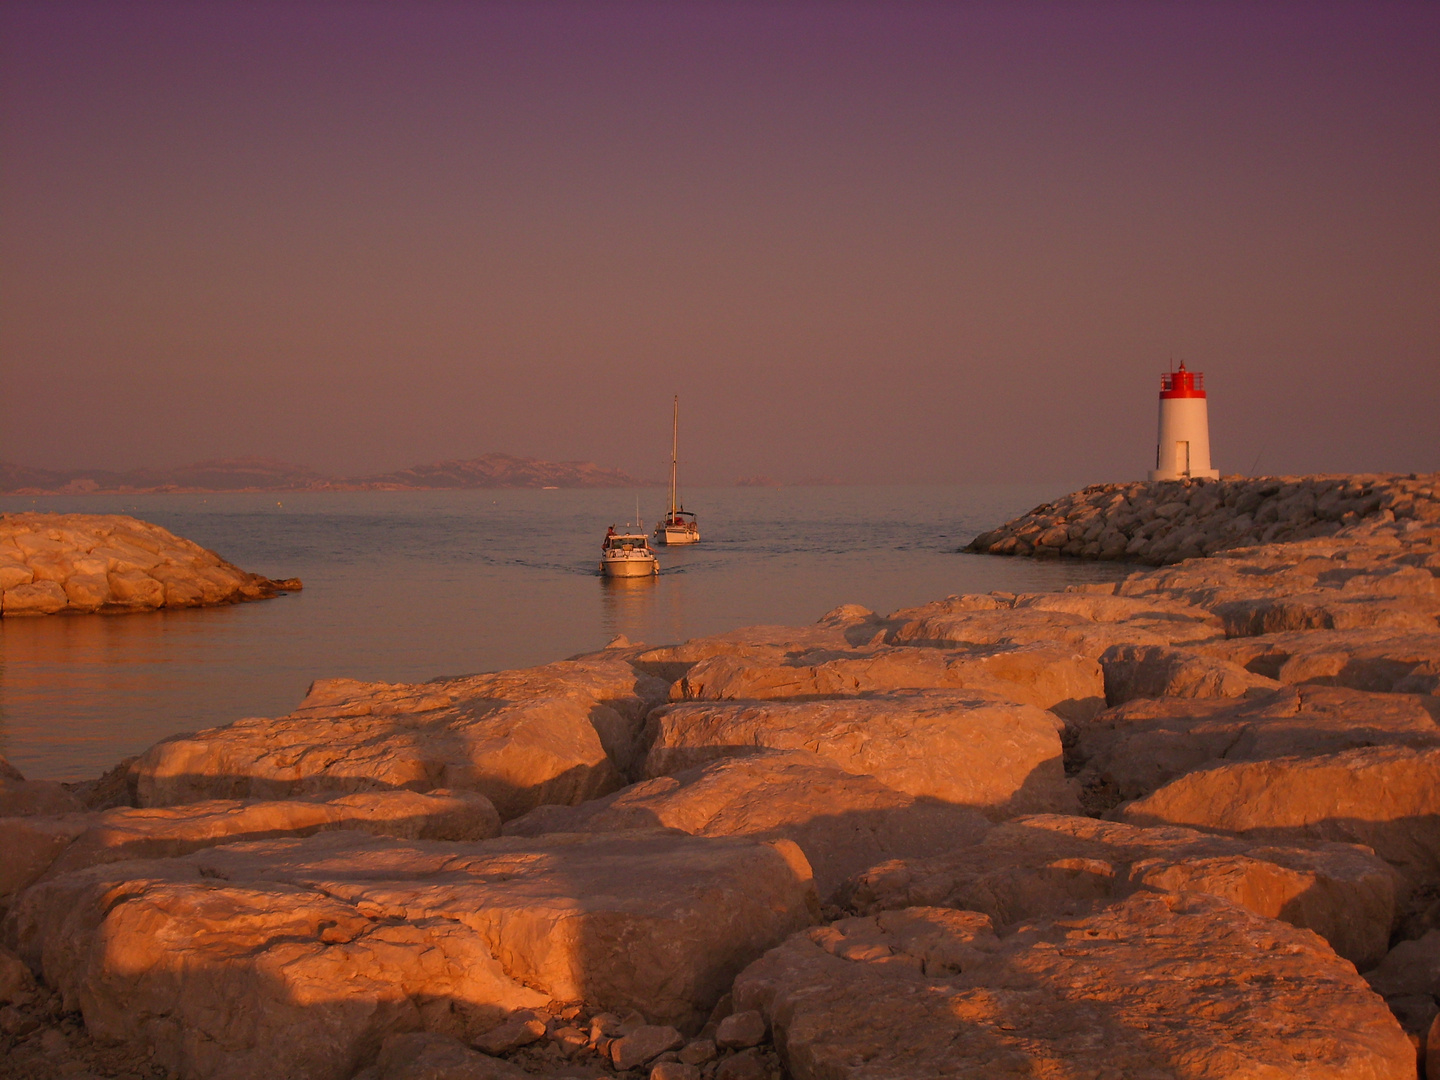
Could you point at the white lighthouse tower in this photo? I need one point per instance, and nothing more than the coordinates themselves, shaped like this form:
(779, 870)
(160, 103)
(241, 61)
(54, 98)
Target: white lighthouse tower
(1183, 448)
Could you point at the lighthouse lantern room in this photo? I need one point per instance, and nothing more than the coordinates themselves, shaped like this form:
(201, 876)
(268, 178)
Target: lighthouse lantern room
(1183, 448)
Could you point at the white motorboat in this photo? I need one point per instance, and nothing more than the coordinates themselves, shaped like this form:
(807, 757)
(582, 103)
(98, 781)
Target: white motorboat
(679, 525)
(627, 554)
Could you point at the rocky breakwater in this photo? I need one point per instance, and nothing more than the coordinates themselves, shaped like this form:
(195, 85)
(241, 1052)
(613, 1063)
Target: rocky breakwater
(52, 563)
(1168, 521)
(1182, 826)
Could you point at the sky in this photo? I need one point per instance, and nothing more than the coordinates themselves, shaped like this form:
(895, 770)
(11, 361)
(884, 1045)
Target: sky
(876, 242)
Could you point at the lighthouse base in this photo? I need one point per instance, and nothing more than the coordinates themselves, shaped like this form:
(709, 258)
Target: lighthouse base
(1167, 474)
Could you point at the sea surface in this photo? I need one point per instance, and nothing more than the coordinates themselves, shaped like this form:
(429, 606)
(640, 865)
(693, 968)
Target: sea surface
(408, 586)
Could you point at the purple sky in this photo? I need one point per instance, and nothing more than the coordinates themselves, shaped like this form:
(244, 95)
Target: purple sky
(888, 241)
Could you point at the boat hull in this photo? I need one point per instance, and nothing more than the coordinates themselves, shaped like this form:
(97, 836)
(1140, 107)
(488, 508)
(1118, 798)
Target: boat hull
(673, 537)
(632, 567)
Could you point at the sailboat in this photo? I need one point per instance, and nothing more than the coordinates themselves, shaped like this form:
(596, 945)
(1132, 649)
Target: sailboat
(679, 525)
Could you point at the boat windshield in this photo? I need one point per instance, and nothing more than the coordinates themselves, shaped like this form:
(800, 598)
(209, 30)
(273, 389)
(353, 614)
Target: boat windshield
(619, 541)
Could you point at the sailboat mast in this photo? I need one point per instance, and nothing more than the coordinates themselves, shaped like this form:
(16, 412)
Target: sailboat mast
(674, 453)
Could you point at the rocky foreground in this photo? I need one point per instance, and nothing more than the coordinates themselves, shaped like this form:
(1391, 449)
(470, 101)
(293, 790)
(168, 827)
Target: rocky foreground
(1169, 521)
(1185, 826)
(53, 563)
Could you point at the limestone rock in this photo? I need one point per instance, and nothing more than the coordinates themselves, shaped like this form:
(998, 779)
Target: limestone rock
(425, 1055)
(34, 598)
(1034, 674)
(1408, 978)
(32, 847)
(16, 982)
(1386, 797)
(521, 1030)
(644, 1043)
(521, 738)
(1084, 624)
(24, 798)
(1160, 984)
(962, 747)
(1050, 866)
(1169, 521)
(699, 1051)
(1133, 671)
(298, 957)
(1135, 748)
(848, 626)
(1411, 968)
(1378, 661)
(114, 563)
(741, 1030)
(843, 823)
(746, 1065)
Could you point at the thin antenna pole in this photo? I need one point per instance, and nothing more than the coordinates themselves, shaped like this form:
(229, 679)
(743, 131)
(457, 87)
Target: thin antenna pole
(674, 454)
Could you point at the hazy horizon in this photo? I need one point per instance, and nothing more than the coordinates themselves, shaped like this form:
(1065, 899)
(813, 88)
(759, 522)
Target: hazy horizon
(921, 243)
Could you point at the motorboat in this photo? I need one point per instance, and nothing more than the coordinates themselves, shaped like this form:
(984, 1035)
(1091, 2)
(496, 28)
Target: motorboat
(678, 526)
(627, 554)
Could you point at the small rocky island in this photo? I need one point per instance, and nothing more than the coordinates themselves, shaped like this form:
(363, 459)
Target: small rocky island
(112, 563)
(1182, 826)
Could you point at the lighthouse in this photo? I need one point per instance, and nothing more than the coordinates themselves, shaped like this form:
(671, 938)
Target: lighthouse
(1182, 450)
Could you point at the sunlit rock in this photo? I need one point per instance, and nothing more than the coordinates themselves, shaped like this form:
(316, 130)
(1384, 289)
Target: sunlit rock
(1159, 985)
(561, 733)
(1131, 750)
(1133, 671)
(297, 958)
(110, 562)
(1036, 674)
(843, 823)
(967, 748)
(1386, 797)
(1052, 866)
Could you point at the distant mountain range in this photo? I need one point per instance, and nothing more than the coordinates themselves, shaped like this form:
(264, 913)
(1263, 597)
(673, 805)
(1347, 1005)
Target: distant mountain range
(263, 474)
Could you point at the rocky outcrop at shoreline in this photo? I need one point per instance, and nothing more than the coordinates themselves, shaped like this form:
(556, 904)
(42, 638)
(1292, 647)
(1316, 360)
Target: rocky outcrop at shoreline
(1169, 521)
(1183, 825)
(75, 563)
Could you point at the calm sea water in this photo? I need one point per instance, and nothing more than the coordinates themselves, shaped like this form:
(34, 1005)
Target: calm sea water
(406, 586)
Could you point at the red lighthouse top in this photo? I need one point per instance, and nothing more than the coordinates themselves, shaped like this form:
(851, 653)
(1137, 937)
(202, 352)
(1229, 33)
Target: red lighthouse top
(1182, 383)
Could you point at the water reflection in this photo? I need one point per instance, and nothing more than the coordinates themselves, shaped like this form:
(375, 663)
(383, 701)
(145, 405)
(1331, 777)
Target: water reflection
(626, 605)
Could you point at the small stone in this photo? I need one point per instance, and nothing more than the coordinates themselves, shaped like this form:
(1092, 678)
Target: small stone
(15, 1023)
(54, 1042)
(746, 1065)
(570, 1039)
(699, 1052)
(603, 1024)
(510, 1036)
(674, 1070)
(643, 1044)
(741, 1030)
